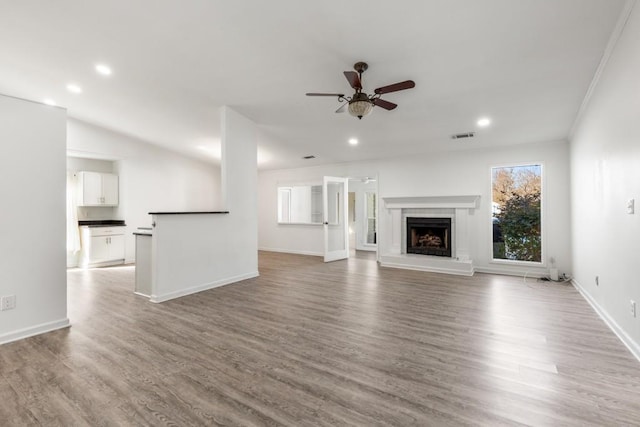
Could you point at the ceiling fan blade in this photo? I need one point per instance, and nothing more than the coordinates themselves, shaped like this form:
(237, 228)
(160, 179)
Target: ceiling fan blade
(342, 108)
(353, 79)
(408, 84)
(326, 94)
(384, 104)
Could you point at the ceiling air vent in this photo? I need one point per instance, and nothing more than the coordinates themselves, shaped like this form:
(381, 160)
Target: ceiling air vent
(463, 135)
(309, 157)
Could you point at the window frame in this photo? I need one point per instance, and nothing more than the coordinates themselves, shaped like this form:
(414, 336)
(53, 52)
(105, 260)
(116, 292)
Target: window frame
(543, 234)
(366, 217)
(281, 191)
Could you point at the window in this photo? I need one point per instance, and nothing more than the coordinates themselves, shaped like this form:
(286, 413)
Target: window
(516, 213)
(300, 204)
(370, 212)
(284, 204)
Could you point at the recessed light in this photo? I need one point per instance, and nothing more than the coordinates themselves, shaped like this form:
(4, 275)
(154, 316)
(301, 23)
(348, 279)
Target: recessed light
(353, 141)
(484, 122)
(49, 101)
(103, 69)
(73, 88)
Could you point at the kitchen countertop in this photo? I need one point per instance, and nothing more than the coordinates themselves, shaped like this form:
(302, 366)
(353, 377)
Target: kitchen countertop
(102, 223)
(143, 231)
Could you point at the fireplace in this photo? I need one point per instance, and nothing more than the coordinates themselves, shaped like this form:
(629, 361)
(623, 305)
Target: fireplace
(429, 236)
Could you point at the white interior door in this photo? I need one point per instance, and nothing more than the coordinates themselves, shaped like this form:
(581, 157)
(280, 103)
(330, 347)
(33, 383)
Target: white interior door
(336, 222)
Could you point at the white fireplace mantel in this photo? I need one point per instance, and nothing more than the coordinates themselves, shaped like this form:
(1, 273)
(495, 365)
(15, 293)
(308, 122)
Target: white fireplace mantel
(432, 202)
(458, 208)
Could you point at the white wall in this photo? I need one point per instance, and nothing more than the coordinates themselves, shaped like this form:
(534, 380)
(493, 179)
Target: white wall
(32, 217)
(605, 165)
(195, 252)
(239, 185)
(439, 174)
(151, 178)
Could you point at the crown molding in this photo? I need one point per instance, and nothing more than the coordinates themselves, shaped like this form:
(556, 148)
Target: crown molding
(611, 45)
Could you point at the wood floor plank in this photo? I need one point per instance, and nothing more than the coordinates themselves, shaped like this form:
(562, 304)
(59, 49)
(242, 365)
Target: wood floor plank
(309, 343)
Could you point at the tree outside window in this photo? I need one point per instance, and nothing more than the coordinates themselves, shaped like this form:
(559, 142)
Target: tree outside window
(516, 206)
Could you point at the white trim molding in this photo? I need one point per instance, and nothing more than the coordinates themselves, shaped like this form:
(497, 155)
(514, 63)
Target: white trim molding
(611, 45)
(432, 202)
(34, 330)
(200, 288)
(633, 346)
(291, 251)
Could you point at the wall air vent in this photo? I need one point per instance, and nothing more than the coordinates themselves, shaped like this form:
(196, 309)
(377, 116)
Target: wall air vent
(309, 157)
(463, 135)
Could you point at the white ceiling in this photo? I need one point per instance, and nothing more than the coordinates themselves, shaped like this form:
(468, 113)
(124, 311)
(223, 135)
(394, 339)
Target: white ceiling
(527, 64)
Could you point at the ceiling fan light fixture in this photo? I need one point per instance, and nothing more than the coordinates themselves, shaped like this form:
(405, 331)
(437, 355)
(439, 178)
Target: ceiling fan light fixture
(361, 104)
(360, 108)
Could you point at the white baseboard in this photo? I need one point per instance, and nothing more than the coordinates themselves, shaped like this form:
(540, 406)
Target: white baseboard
(511, 272)
(102, 264)
(34, 330)
(203, 287)
(633, 346)
(289, 251)
(371, 248)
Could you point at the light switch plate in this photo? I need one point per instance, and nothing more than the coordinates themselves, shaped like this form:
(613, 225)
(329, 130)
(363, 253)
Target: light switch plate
(631, 206)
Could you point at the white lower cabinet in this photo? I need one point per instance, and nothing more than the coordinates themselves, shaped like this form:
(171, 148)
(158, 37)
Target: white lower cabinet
(102, 246)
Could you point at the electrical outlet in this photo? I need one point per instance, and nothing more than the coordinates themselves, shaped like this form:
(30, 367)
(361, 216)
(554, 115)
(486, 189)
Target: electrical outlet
(633, 308)
(597, 281)
(631, 206)
(8, 302)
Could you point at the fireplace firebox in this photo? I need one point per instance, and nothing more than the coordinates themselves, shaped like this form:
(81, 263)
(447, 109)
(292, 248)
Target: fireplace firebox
(429, 236)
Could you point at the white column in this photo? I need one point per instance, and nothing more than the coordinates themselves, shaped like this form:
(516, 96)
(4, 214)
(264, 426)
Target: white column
(462, 234)
(396, 231)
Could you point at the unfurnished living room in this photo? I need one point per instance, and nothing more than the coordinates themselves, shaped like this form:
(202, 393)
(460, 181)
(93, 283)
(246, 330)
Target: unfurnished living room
(410, 213)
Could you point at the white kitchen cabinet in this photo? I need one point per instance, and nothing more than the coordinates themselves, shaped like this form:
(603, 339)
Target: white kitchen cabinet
(102, 246)
(97, 189)
(110, 189)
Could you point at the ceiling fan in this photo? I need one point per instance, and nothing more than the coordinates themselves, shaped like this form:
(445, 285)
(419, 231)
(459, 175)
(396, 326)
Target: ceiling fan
(360, 104)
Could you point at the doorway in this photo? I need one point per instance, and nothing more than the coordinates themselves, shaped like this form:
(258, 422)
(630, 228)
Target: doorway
(352, 223)
(363, 212)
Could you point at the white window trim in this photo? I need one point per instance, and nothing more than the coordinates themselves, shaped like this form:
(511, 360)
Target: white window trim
(543, 234)
(365, 217)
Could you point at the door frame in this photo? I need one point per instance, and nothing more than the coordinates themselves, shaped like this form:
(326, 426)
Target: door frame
(343, 217)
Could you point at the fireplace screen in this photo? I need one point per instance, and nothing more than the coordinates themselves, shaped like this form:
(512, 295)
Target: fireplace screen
(429, 236)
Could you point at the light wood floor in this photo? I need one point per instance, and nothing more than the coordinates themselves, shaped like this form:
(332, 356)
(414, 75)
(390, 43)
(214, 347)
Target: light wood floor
(308, 343)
